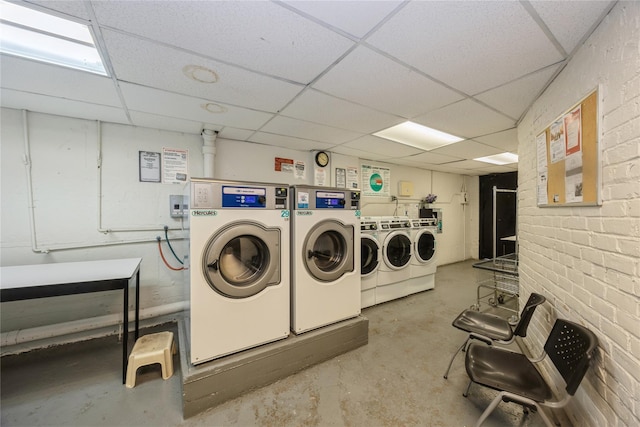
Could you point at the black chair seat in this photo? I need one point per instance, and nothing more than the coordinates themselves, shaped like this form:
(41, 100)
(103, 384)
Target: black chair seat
(485, 324)
(504, 370)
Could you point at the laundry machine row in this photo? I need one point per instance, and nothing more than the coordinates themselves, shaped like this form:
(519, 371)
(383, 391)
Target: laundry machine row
(371, 257)
(265, 259)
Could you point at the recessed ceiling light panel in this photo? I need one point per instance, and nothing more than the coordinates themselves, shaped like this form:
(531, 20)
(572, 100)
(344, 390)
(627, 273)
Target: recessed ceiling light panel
(31, 34)
(418, 136)
(499, 159)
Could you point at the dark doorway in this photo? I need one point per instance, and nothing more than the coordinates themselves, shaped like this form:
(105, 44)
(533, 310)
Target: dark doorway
(505, 213)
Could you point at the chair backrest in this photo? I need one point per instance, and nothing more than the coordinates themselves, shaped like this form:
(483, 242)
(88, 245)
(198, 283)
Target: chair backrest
(571, 347)
(527, 312)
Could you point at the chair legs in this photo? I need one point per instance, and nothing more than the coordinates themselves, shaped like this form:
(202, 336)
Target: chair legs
(446, 374)
(466, 392)
(500, 397)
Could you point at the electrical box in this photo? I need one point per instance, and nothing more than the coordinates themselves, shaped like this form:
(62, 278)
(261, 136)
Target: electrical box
(178, 206)
(405, 188)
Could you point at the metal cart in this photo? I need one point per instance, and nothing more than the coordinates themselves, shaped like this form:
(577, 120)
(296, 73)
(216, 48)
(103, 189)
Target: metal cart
(504, 282)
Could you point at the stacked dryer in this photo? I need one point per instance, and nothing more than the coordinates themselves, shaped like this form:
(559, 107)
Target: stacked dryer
(371, 256)
(394, 271)
(325, 256)
(239, 266)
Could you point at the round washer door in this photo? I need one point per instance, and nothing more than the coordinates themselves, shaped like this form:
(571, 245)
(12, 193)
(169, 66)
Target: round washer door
(425, 246)
(328, 250)
(242, 259)
(397, 250)
(369, 249)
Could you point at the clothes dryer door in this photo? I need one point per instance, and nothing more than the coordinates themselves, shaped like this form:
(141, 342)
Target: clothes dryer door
(328, 250)
(242, 259)
(425, 246)
(397, 250)
(369, 250)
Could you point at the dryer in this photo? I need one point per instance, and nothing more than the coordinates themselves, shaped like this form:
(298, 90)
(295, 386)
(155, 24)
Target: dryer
(239, 273)
(424, 258)
(395, 235)
(325, 262)
(371, 257)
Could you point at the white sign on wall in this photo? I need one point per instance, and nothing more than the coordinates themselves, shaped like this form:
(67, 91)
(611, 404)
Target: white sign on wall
(175, 166)
(376, 181)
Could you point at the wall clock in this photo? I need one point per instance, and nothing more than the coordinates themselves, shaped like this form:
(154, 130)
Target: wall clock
(322, 158)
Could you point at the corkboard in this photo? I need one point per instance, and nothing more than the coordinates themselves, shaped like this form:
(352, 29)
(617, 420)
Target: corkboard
(569, 181)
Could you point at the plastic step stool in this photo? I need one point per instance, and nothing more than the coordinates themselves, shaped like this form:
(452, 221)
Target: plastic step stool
(150, 349)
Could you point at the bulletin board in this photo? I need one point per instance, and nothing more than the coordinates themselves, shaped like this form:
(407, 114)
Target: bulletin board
(568, 157)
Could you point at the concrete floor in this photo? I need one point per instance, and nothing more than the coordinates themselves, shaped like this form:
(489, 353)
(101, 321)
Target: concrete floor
(395, 380)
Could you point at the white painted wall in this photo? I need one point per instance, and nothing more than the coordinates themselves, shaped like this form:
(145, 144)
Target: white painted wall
(585, 260)
(64, 155)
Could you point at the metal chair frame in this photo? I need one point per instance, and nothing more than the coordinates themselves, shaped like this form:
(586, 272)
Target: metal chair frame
(570, 347)
(483, 326)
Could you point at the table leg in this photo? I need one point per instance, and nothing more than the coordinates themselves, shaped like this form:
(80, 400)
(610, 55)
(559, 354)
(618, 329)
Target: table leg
(137, 303)
(125, 332)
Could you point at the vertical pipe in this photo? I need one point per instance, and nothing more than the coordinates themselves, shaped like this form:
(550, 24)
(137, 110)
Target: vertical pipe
(209, 152)
(495, 191)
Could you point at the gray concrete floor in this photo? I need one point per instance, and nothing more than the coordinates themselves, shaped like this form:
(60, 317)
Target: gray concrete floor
(395, 380)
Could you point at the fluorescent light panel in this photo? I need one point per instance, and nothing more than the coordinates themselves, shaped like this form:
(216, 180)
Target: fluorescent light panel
(31, 34)
(499, 159)
(418, 136)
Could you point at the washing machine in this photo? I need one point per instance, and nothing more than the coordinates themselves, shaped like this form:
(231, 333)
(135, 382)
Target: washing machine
(239, 251)
(394, 271)
(371, 256)
(424, 255)
(325, 262)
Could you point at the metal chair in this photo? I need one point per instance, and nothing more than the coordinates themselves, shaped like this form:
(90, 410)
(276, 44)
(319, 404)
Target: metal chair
(490, 328)
(570, 347)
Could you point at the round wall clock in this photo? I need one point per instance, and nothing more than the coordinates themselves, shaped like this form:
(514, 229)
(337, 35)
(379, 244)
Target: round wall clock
(322, 158)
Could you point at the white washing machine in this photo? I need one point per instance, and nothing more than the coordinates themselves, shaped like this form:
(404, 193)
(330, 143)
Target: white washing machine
(424, 257)
(395, 235)
(325, 263)
(371, 257)
(239, 266)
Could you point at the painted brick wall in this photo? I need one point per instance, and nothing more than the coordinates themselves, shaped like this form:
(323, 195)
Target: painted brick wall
(586, 260)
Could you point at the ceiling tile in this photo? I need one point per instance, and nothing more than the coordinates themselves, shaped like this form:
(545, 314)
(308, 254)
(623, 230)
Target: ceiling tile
(471, 46)
(505, 141)
(321, 108)
(431, 158)
(466, 119)
(303, 129)
(467, 149)
(254, 34)
(363, 155)
(139, 61)
(75, 8)
(288, 142)
(52, 80)
(166, 123)
(61, 107)
(340, 14)
(570, 20)
(373, 144)
(398, 90)
(514, 98)
(139, 98)
(468, 164)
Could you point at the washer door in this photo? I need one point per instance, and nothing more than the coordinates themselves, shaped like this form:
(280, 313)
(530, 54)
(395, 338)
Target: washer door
(328, 250)
(397, 250)
(242, 259)
(369, 250)
(425, 246)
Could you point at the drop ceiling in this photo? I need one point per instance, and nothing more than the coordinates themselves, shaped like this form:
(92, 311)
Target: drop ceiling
(316, 74)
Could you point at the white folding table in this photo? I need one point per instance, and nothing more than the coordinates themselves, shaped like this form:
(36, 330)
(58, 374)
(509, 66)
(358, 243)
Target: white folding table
(26, 282)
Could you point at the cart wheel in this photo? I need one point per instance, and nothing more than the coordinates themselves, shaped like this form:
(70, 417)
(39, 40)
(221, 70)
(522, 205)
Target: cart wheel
(501, 299)
(493, 302)
(475, 307)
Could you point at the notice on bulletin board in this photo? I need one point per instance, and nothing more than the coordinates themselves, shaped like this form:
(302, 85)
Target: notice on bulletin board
(175, 166)
(376, 181)
(352, 177)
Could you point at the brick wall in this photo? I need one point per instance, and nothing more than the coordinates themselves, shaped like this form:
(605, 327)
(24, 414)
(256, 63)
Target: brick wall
(585, 260)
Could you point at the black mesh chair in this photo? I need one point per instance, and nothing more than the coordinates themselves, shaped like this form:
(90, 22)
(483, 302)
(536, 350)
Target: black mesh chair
(490, 328)
(570, 347)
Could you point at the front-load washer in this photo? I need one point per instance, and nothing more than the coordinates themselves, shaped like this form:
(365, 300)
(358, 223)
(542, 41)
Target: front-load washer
(325, 262)
(239, 252)
(424, 257)
(371, 257)
(395, 235)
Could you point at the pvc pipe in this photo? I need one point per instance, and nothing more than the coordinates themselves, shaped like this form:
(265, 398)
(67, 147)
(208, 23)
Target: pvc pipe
(209, 152)
(82, 325)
